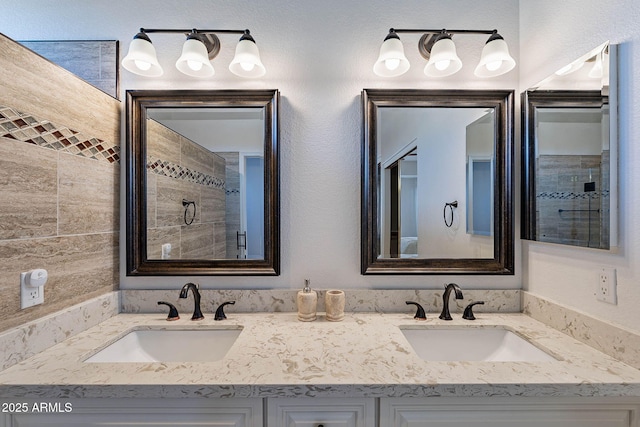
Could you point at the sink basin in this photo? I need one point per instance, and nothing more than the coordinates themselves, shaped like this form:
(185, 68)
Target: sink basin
(473, 344)
(168, 345)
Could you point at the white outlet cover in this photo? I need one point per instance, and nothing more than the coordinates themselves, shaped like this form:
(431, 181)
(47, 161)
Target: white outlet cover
(30, 296)
(606, 289)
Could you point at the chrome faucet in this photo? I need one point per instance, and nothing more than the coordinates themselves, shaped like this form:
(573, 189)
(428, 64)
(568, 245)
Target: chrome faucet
(197, 314)
(445, 315)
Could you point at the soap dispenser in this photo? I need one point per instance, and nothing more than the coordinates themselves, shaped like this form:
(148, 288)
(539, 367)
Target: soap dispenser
(307, 303)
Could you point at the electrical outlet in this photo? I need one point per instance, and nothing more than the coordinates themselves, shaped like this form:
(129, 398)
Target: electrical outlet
(166, 250)
(30, 295)
(606, 290)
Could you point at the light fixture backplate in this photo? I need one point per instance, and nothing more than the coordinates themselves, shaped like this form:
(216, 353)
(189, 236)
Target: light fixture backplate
(425, 44)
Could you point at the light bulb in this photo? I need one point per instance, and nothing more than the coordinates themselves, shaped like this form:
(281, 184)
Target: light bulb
(142, 65)
(195, 65)
(442, 65)
(392, 63)
(597, 71)
(493, 65)
(247, 66)
(564, 70)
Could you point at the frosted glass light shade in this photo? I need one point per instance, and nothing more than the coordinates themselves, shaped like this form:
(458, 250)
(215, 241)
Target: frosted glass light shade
(598, 70)
(391, 62)
(568, 69)
(443, 60)
(141, 58)
(194, 60)
(495, 59)
(246, 62)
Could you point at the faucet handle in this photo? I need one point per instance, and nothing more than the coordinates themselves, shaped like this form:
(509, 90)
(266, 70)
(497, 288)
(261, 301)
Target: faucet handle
(468, 311)
(173, 311)
(220, 311)
(420, 315)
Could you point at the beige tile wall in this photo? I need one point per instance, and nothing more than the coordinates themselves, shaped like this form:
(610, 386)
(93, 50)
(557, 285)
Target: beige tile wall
(95, 61)
(561, 186)
(59, 184)
(180, 170)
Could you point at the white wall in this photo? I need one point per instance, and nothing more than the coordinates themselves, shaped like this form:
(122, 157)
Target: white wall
(554, 33)
(243, 135)
(569, 138)
(320, 55)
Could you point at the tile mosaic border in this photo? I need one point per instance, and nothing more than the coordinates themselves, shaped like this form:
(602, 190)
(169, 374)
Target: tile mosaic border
(26, 127)
(176, 171)
(570, 195)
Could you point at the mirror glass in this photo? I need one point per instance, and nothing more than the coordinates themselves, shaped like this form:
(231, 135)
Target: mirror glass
(437, 182)
(205, 183)
(436, 163)
(203, 188)
(570, 154)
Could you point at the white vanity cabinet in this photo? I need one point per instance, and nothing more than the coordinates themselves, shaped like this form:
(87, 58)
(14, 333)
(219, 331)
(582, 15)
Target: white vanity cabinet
(331, 412)
(139, 412)
(508, 412)
(320, 412)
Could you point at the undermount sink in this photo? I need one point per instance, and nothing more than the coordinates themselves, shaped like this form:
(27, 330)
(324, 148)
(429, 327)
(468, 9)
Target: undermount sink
(473, 344)
(168, 345)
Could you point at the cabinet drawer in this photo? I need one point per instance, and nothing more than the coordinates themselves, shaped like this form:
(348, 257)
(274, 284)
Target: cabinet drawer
(504, 413)
(316, 412)
(140, 412)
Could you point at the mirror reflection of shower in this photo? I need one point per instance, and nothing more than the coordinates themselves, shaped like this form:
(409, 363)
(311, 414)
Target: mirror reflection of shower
(212, 158)
(573, 157)
(253, 211)
(570, 149)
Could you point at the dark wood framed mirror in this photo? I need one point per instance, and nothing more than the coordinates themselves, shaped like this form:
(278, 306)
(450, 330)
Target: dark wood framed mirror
(565, 188)
(437, 182)
(202, 181)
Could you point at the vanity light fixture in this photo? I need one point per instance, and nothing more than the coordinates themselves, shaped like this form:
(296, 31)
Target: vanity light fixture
(443, 58)
(391, 61)
(598, 70)
(438, 48)
(200, 47)
(568, 69)
(594, 61)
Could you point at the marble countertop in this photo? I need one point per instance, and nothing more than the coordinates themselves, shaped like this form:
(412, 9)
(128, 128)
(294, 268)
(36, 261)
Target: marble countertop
(365, 355)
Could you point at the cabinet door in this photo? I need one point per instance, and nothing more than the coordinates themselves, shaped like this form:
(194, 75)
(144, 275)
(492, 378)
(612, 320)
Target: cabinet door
(320, 412)
(503, 413)
(139, 412)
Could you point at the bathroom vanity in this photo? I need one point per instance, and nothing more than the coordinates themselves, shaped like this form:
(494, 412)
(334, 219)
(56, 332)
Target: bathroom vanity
(363, 371)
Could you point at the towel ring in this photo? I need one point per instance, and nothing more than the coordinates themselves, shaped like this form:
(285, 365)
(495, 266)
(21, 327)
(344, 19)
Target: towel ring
(186, 203)
(451, 205)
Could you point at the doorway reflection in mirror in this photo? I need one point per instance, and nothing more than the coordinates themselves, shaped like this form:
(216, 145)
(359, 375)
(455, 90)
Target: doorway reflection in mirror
(428, 157)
